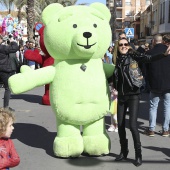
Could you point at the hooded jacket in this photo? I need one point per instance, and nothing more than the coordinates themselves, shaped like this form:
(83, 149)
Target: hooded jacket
(5, 64)
(159, 71)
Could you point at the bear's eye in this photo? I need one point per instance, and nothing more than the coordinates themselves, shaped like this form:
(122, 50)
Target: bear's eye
(74, 25)
(95, 25)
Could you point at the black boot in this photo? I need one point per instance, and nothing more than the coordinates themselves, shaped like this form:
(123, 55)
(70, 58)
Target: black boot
(138, 157)
(124, 151)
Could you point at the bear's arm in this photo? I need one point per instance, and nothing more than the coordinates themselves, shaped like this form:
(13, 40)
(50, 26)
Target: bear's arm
(34, 56)
(29, 79)
(108, 69)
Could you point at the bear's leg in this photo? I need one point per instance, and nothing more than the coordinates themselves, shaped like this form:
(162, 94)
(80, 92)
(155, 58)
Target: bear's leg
(68, 142)
(96, 140)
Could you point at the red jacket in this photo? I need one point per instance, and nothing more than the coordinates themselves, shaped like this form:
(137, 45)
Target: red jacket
(8, 155)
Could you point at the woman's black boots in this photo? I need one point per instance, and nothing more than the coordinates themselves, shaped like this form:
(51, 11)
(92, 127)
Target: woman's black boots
(138, 156)
(124, 151)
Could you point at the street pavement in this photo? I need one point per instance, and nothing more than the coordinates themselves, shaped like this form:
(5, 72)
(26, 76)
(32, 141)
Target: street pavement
(35, 130)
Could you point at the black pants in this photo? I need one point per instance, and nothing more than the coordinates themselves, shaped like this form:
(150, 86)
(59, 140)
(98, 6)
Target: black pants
(4, 77)
(131, 101)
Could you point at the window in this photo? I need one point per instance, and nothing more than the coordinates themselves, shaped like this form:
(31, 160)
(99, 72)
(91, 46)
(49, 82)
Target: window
(127, 2)
(138, 2)
(155, 17)
(148, 2)
(119, 3)
(128, 13)
(162, 14)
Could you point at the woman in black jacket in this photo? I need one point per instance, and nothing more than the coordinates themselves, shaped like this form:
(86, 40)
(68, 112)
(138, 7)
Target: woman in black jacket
(128, 80)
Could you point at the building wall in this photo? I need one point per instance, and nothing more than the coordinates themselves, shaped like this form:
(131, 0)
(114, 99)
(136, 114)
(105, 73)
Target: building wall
(126, 11)
(155, 18)
(165, 27)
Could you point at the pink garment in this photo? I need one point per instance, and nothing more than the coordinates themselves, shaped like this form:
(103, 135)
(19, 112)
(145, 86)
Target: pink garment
(8, 155)
(4, 25)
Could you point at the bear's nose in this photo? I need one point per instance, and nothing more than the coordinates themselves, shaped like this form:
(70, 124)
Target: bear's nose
(87, 34)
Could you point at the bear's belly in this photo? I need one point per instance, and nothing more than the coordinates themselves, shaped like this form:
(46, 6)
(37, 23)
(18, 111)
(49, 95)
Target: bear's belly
(78, 96)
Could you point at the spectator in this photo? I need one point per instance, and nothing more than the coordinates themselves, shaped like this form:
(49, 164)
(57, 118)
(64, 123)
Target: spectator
(159, 81)
(14, 62)
(166, 39)
(20, 55)
(143, 66)
(8, 155)
(113, 108)
(5, 68)
(26, 47)
(113, 111)
(109, 54)
(146, 46)
(31, 64)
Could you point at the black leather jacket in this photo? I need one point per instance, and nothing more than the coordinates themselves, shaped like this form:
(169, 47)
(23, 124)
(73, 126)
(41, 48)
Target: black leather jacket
(121, 74)
(5, 64)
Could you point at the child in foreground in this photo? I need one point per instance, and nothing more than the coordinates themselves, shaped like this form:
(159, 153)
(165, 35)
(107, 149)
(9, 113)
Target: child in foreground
(8, 155)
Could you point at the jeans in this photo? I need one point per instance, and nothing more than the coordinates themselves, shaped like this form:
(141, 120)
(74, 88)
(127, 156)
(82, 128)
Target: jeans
(154, 100)
(131, 101)
(4, 77)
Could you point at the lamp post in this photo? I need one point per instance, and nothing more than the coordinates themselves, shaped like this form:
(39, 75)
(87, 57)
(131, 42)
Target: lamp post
(112, 6)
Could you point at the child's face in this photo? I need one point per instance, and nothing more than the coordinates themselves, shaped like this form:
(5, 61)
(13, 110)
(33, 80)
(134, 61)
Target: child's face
(9, 129)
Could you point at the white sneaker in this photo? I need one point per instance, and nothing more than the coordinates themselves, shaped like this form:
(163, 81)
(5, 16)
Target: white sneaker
(116, 129)
(111, 128)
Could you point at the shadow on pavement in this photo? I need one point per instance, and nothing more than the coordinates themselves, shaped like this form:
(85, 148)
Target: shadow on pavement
(28, 97)
(85, 161)
(34, 136)
(166, 151)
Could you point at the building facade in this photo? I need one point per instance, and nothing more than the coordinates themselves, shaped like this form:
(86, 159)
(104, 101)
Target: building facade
(124, 13)
(147, 17)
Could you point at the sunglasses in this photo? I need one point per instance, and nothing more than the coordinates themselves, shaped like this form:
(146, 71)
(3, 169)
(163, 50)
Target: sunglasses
(125, 44)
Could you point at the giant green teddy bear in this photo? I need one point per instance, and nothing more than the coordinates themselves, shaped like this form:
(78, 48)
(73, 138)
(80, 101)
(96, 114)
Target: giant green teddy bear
(77, 38)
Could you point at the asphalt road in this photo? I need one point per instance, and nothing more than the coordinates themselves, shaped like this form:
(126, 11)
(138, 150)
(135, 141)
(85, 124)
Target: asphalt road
(35, 130)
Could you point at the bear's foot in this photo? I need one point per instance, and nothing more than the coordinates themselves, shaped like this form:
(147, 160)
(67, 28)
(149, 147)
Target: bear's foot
(45, 100)
(96, 145)
(68, 146)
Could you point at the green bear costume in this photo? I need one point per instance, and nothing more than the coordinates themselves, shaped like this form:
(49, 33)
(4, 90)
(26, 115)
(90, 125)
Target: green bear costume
(77, 38)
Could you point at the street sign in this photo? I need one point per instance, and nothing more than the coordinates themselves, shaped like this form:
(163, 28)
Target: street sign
(129, 32)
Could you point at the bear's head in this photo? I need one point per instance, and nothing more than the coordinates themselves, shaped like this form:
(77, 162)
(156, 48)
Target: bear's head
(76, 32)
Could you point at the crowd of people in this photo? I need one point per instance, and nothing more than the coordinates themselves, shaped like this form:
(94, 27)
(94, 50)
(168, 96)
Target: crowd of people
(137, 68)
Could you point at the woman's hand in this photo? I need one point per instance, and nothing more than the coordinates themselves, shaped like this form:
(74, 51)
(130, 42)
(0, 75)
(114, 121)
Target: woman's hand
(167, 51)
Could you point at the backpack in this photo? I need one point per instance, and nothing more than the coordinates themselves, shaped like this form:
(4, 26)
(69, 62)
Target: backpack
(135, 74)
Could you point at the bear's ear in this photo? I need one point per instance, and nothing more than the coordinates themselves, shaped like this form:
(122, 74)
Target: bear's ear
(49, 12)
(102, 9)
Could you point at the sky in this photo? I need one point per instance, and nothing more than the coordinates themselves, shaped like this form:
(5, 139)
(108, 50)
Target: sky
(90, 1)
